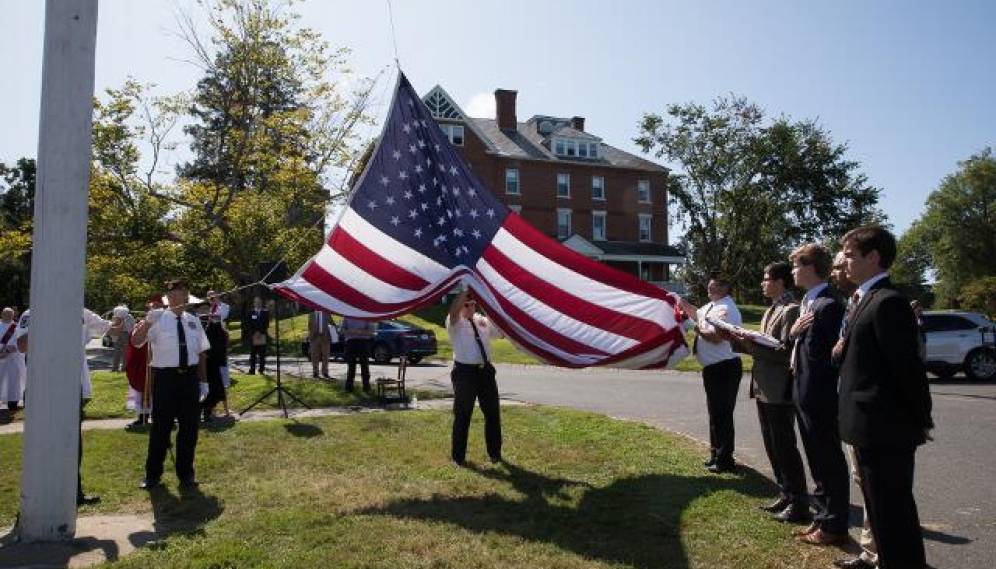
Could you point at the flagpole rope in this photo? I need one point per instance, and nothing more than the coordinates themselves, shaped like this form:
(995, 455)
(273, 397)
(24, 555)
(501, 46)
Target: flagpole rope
(394, 35)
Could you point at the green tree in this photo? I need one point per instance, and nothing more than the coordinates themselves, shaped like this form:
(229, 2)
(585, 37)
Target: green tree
(958, 227)
(17, 194)
(909, 272)
(747, 191)
(269, 123)
(980, 296)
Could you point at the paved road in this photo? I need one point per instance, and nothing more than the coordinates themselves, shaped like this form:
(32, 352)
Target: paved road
(955, 490)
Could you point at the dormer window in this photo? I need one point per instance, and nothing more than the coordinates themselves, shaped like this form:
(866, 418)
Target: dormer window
(574, 148)
(454, 132)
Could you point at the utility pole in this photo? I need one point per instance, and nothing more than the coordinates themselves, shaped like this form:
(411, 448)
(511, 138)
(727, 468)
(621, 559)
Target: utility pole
(55, 350)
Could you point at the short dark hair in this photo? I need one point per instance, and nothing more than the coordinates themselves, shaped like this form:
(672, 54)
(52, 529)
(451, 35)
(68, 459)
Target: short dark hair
(175, 283)
(873, 238)
(780, 271)
(723, 282)
(816, 255)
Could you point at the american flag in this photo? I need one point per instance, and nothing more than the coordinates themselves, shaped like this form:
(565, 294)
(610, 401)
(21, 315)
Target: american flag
(419, 222)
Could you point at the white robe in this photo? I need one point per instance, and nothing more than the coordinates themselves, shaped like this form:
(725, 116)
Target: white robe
(12, 369)
(93, 327)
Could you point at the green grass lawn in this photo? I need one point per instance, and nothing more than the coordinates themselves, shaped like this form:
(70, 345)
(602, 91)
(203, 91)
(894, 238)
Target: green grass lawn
(376, 490)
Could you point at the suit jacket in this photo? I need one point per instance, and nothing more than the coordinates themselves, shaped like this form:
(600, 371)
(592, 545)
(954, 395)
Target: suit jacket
(771, 379)
(314, 330)
(815, 373)
(884, 395)
(253, 322)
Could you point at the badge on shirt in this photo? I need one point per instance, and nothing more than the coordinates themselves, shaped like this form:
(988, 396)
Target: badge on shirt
(191, 325)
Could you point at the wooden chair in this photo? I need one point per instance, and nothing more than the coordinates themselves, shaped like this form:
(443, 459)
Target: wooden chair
(392, 390)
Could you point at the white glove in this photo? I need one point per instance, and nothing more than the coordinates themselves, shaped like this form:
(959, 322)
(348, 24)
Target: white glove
(204, 391)
(153, 315)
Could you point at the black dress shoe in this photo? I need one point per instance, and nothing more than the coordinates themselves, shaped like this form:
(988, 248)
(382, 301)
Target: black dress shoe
(188, 483)
(854, 563)
(721, 467)
(710, 462)
(776, 506)
(149, 483)
(793, 514)
(84, 499)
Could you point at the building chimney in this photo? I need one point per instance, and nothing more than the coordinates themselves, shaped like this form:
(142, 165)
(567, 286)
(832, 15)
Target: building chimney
(577, 123)
(505, 109)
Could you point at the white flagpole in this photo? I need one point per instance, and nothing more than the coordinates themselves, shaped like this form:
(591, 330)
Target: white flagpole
(51, 433)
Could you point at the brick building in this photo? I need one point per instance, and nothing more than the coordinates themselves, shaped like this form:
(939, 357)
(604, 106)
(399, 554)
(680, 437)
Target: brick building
(598, 200)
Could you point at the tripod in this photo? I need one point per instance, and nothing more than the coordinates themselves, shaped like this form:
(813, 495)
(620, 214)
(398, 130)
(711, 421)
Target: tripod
(279, 389)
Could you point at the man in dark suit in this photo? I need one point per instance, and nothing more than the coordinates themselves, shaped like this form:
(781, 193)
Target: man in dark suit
(771, 386)
(816, 332)
(255, 330)
(884, 397)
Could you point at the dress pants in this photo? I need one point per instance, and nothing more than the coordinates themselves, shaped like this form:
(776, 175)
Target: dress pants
(778, 433)
(176, 397)
(887, 484)
(470, 383)
(722, 382)
(357, 350)
(257, 354)
(320, 352)
(825, 454)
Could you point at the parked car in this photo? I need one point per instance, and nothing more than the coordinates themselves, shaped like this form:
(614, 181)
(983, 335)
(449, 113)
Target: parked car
(960, 341)
(393, 339)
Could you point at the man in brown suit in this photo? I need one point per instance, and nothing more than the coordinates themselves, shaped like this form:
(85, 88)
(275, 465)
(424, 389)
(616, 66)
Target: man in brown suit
(771, 386)
(318, 334)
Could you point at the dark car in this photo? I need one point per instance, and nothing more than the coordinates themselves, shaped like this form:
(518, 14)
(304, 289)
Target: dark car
(394, 338)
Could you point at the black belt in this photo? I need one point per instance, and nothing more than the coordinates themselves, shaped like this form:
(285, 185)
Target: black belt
(469, 366)
(175, 369)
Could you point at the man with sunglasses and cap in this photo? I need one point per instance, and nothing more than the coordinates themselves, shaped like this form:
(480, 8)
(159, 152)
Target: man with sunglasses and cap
(473, 377)
(179, 366)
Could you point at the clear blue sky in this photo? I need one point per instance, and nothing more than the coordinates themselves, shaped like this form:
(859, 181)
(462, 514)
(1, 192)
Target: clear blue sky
(908, 84)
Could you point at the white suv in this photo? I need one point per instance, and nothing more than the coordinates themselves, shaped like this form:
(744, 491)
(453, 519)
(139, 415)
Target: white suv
(960, 341)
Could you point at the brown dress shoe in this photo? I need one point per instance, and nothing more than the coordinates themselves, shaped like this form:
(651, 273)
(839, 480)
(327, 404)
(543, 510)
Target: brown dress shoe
(806, 531)
(822, 538)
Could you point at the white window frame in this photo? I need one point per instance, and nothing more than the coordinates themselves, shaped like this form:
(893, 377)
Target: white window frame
(645, 219)
(592, 150)
(563, 223)
(600, 185)
(451, 131)
(517, 190)
(560, 147)
(643, 191)
(595, 217)
(567, 179)
(516, 208)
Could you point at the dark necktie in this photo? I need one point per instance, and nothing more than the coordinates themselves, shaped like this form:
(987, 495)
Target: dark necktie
(852, 307)
(477, 338)
(183, 342)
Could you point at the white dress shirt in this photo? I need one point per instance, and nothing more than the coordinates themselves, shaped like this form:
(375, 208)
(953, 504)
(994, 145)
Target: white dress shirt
(724, 309)
(465, 348)
(166, 345)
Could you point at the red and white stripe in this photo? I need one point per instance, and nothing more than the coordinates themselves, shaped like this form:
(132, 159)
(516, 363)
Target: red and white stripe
(552, 302)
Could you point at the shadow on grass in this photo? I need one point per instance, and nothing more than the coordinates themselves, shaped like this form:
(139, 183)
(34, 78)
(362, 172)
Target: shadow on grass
(303, 430)
(634, 521)
(186, 513)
